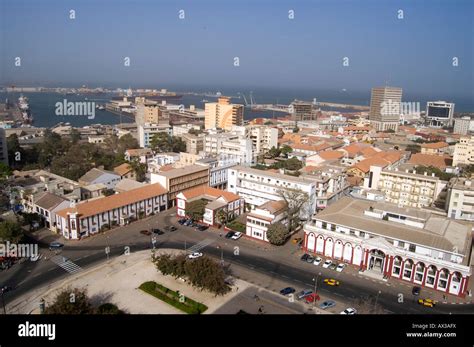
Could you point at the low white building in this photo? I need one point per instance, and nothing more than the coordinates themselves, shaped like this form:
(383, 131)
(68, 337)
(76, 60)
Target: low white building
(259, 186)
(95, 176)
(263, 216)
(385, 241)
(218, 170)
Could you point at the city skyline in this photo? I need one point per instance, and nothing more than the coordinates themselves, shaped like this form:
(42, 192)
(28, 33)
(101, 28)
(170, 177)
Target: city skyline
(306, 52)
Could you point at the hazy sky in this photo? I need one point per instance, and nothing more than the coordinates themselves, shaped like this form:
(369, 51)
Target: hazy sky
(305, 52)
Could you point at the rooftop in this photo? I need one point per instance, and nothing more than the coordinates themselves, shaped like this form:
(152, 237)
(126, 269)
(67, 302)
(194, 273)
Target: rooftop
(438, 232)
(187, 170)
(272, 174)
(93, 207)
(49, 201)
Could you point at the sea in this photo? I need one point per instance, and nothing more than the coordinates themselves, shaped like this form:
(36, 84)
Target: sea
(43, 104)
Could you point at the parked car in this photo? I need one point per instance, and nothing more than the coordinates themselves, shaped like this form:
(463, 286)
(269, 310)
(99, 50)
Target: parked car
(312, 298)
(229, 234)
(5, 289)
(55, 246)
(327, 263)
(331, 282)
(158, 231)
(349, 311)
(287, 291)
(202, 227)
(340, 267)
(304, 293)
(327, 304)
(333, 266)
(317, 261)
(310, 259)
(416, 291)
(145, 232)
(194, 255)
(182, 221)
(188, 223)
(427, 302)
(304, 257)
(236, 236)
(171, 228)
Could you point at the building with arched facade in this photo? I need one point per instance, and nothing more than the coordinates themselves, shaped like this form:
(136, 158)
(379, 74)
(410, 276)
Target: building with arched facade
(412, 245)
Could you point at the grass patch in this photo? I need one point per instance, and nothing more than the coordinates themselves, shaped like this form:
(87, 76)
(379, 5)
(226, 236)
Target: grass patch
(236, 226)
(173, 298)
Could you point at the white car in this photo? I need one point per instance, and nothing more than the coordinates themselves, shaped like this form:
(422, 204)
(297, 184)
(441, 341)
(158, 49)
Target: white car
(317, 261)
(349, 311)
(327, 264)
(340, 267)
(236, 236)
(195, 255)
(35, 257)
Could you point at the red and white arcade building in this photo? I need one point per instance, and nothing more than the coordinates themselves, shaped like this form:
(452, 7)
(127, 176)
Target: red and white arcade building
(386, 256)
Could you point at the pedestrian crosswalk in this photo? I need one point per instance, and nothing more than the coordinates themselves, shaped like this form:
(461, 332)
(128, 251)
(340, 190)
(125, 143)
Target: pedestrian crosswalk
(198, 246)
(66, 264)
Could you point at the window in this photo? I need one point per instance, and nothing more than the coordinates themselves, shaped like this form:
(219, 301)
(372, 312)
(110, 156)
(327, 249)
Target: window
(412, 248)
(324, 225)
(401, 244)
(361, 234)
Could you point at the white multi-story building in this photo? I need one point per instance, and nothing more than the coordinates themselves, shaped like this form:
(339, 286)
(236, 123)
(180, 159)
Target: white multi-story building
(463, 125)
(160, 159)
(384, 241)
(460, 199)
(259, 186)
(218, 170)
(464, 151)
(230, 146)
(331, 182)
(148, 130)
(439, 113)
(263, 137)
(405, 188)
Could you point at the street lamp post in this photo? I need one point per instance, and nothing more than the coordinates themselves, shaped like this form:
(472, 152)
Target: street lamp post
(107, 248)
(376, 299)
(316, 279)
(3, 303)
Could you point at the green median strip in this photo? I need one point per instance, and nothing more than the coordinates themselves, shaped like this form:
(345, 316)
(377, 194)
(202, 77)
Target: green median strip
(173, 298)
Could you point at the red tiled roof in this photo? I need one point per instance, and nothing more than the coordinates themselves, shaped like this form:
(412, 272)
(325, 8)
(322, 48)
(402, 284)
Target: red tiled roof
(441, 162)
(209, 191)
(435, 145)
(93, 207)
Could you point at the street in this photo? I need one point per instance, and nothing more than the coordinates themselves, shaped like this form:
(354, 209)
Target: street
(249, 260)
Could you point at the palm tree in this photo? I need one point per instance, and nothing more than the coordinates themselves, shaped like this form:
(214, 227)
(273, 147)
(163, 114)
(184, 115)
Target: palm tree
(222, 216)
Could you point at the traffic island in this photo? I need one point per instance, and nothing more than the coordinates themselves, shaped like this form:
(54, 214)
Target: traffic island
(173, 298)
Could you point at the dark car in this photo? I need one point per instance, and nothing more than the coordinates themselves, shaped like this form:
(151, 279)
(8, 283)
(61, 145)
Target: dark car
(305, 257)
(416, 291)
(182, 221)
(202, 227)
(55, 246)
(229, 234)
(172, 228)
(158, 232)
(5, 289)
(310, 259)
(188, 222)
(287, 291)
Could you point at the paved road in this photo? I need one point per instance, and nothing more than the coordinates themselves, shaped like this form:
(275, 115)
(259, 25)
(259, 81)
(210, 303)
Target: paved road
(260, 259)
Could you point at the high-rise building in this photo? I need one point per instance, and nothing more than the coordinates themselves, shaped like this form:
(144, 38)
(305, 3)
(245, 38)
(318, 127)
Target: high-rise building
(385, 108)
(302, 111)
(439, 113)
(147, 112)
(3, 147)
(222, 114)
(464, 151)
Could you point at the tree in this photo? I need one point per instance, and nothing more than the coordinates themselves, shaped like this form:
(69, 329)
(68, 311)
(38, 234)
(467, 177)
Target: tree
(194, 131)
(277, 234)
(295, 200)
(274, 152)
(10, 231)
(109, 308)
(421, 169)
(71, 301)
(139, 169)
(75, 136)
(5, 171)
(222, 216)
(293, 164)
(413, 149)
(285, 149)
(195, 209)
